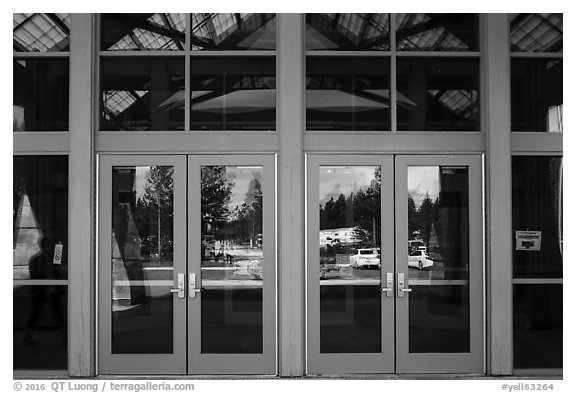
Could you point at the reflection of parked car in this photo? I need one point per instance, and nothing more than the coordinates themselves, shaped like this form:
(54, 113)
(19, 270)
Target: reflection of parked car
(366, 257)
(419, 259)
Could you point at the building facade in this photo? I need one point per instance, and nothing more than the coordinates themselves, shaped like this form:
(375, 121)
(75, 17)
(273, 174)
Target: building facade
(287, 194)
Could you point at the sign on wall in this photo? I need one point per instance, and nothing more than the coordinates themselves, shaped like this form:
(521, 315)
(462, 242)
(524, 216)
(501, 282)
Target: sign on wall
(528, 240)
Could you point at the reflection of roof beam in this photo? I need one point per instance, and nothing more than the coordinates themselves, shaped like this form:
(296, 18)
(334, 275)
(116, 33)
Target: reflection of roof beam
(23, 22)
(167, 22)
(59, 22)
(446, 21)
(136, 41)
(132, 21)
(334, 35)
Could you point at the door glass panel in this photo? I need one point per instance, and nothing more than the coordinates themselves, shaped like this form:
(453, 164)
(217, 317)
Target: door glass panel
(231, 259)
(438, 259)
(142, 259)
(349, 238)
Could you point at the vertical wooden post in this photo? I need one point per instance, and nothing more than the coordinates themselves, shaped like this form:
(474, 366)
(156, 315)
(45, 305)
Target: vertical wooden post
(290, 122)
(496, 66)
(81, 207)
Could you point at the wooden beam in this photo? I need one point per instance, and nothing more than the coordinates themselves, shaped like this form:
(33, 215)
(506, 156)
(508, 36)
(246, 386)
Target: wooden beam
(81, 327)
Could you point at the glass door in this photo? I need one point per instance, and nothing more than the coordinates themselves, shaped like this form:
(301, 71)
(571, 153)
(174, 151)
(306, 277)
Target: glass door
(142, 264)
(186, 265)
(394, 264)
(350, 265)
(231, 243)
(439, 264)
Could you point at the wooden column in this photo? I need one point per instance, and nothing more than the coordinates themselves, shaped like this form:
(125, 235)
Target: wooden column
(291, 101)
(496, 68)
(81, 270)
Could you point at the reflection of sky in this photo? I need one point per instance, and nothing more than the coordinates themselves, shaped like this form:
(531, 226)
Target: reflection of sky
(422, 180)
(336, 180)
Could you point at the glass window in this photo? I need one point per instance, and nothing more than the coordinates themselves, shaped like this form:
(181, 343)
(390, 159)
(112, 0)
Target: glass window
(40, 240)
(41, 32)
(538, 326)
(537, 206)
(233, 93)
(213, 32)
(536, 32)
(347, 93)
(41, 94)
(349, 238)
(347, 32)
(437, 32)
(438, 94)
(537, 89)
(142, 94)
(40, 217)
(40, 319)
(141, 32)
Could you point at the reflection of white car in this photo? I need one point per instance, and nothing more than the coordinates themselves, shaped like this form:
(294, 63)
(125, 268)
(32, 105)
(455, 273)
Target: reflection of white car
(419, 259)
(366, 257)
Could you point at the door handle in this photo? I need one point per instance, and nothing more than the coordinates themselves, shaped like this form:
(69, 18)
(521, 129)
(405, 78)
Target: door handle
(401, 285)
(389, 288)
(192, 290)
(180, 286)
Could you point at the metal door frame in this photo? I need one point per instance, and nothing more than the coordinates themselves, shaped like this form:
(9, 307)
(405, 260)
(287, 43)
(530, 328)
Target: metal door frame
(186, 358)
(265, 363)
(393, 245)
(338, 363)
(109, 363)
(473, 361)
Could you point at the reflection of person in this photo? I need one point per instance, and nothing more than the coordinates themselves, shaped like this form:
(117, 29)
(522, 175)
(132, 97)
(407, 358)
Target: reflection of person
(39, 266)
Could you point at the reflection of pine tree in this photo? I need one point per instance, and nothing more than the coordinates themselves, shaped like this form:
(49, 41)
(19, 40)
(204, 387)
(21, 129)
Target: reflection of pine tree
(361, 210)
(215, 191)
(426, 216)
(159, 200)
(250, 213)
(412, 217)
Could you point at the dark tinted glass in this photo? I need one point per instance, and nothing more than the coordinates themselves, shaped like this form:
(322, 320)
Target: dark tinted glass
(141, 32)
(40, 95)
(233, 93)
(142, 94)
(538, 326)
(537, 206)
(347, 94)
(437, 32)
(142, 259)
(233, 31)
(347, 32)
(536, 32)
(40, 320)
(40, 217)
(537, 103)
(41, 32)
(438, 94)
